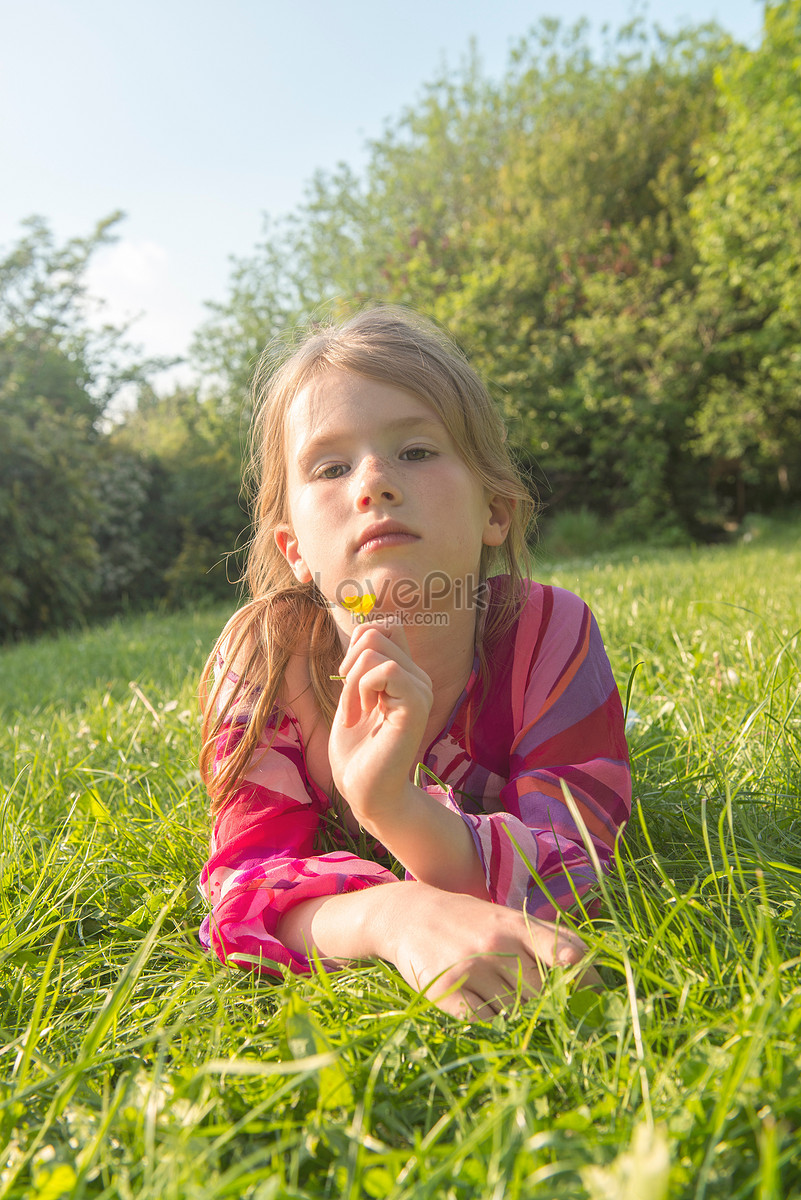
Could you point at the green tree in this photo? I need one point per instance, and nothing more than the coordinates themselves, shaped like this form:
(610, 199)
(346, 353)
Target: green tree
(582, 254)
(543, 219)
(58, 375)
(747, 216)
(48, 557)
(191, 448)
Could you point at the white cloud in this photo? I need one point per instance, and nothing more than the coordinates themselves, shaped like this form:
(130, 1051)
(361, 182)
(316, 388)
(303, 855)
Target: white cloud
(136, 266)
(136, 281)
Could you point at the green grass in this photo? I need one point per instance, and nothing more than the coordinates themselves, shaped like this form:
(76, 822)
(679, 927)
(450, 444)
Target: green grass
(132, 1065)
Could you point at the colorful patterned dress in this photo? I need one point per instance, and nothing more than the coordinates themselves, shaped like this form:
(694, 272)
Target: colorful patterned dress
(551, 712)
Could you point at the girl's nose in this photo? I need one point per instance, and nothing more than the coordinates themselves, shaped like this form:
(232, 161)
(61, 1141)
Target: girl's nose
(376, 485)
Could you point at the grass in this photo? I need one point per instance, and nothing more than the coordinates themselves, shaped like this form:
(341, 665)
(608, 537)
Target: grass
(132, 1065)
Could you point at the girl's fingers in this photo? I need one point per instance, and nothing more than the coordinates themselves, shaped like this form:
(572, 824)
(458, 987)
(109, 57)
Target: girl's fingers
(373, 675)
(506, 978)
(468, 1005)
(475, 959)
(376, 680)
(493, 984)
(495, 980)
(394, 632)
(487, 993)
(555, 944)
(482, 998)
(391, 643)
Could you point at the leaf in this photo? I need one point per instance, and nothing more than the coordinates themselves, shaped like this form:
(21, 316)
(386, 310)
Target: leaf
(8, 934)
(55, 1183)
(640, 1173)
(589, 1007)
(91, 805)
(305, 1038)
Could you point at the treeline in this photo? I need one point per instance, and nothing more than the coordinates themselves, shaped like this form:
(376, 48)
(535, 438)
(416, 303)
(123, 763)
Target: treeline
(110, 495)
(614, 239)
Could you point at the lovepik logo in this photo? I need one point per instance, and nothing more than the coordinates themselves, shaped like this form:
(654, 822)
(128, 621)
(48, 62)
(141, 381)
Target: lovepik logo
(404, 595)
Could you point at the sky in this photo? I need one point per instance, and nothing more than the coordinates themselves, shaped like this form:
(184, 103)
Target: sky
(198, 118)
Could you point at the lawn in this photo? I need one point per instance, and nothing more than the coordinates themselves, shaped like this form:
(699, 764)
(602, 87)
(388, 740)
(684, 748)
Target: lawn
(133, 1065)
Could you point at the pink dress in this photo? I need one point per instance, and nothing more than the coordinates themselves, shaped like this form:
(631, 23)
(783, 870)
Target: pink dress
(552, 712)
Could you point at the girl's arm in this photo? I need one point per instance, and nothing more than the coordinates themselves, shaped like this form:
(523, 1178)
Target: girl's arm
(274, 899)
(472, 957)
(432, 841)
(568, 728)
(264, 864)
(372, 749)
(263, 859)
(567, 725)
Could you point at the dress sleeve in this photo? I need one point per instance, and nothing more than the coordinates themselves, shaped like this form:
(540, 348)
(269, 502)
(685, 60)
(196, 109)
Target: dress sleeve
(263, 859)
(568, 726)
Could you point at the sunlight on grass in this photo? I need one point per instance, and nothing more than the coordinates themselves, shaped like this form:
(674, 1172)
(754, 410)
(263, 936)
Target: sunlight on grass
(133, 1065)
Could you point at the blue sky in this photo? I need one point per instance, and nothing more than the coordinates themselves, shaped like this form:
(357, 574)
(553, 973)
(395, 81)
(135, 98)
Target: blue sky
(197, 117)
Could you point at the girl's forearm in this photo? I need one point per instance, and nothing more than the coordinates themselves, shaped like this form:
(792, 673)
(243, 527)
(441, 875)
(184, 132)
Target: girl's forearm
(433, 843)
(349, 926)
(474, 955)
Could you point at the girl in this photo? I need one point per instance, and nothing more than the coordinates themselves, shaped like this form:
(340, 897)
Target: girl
(385, 484)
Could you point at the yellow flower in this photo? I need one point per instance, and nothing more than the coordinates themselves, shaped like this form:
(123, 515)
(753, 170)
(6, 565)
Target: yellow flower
(360, 606)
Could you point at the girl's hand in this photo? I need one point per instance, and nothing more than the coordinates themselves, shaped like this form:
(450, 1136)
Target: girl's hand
(473, 955)
(379, 722)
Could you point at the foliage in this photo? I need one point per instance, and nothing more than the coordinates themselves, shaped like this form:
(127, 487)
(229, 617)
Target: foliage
(58, 376)
(48, 346)
(124, 489)
(747, 218)
(134, 1065)
(613, 238)
(47, 554)
(99, 512)
(610, 238)
(194, 447)
(543, 220)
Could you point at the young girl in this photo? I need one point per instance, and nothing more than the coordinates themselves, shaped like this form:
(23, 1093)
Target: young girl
(378, 639)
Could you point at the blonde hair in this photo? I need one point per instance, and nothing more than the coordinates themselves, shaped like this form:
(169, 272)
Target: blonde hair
(387, 345)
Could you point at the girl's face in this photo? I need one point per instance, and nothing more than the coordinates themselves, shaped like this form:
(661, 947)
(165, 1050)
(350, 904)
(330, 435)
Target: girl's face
(379, 498)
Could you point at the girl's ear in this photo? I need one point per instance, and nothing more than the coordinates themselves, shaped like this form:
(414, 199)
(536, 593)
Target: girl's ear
(289, 546)
(499, 518)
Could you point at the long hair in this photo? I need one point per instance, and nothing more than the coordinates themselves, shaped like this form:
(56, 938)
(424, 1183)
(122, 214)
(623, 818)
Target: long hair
(390, 346)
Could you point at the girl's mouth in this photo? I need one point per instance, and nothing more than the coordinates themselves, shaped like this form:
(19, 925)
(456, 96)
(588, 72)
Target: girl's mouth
(384, 535)
(385, 540)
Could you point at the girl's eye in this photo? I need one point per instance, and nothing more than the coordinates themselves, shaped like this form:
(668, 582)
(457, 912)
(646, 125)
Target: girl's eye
(332, 472)
(417, 454)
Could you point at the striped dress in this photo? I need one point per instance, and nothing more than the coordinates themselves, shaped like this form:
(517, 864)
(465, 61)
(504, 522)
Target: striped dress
(551, 713)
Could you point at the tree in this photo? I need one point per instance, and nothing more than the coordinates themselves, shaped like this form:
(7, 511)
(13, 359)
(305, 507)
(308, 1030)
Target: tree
(57, 377)
(191, 447)
(583, 255)
(48, 557)
(747, 217)
(543, 219)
